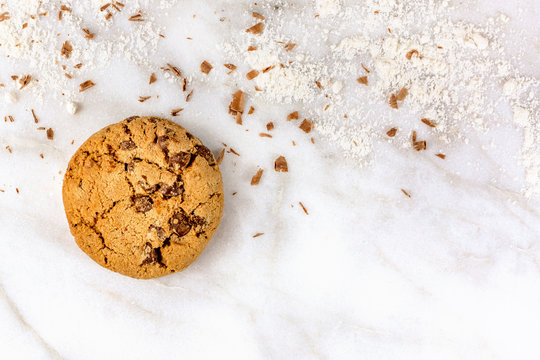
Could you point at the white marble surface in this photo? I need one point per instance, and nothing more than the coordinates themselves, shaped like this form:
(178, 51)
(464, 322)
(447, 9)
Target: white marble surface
(451, 273)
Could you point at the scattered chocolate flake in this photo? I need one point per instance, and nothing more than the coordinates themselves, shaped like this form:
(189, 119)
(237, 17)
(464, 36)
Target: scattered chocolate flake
(231, 150)
(270, 126)
(392, 132)
(174, 70)
(127, 145)
(188, 97)
(143, 98)
(265, 135)
(428, 122)
(306, 126)
(312, 140)
(175, 112)
(402, 94)
(41, 156)
(406, 193)
(220, 157)
(104, 7)
(206, 67)
(184, 84)
(68, 76)
(152, 79)
(87, 34)
(11, 119)
(78, 66)
(293, 143)
(142, 203)
(442, 156)
(393, 101)
(251, 110)
(280, 165)
(303, 207)
(41, 128)
(252, 74)
(236, 107)
(252, 48)
(14, 77)
(257, 177)
(66, 49)
(365, 68)
(290, 46)
(34, 116)
(292, 116)
(418, 145)
(363, 80)
(257, 16)
(256, 29)
(411, 53)
(257, 88)
(136, 17)
(238, 118)
(9, 149)
(4, 16)
(17, 190)
(266, 69)
(231, 67)
(86, 85)
(25, 25)
(318, 83)
(24, 81)
(50, 134)
(108, 16)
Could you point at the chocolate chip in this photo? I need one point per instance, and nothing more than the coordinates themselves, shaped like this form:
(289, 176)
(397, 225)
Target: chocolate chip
(110, 148)
(169, 191)
(131, 118)
(179, 223)
(162, 142)
(179, 160)
(189, 136)
(205, 153)
(160, 232)
(126, 129)
(197, 220)
(129, 167)
(147, 187)
(152, 255)
(142, 203)
(127, 145)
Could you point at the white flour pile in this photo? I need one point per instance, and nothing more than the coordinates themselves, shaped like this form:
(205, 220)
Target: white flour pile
(33, 33)
(456, 72)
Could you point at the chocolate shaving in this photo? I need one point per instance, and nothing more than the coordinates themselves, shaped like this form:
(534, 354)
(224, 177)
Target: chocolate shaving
(257, 177)
(306, 126)
(406, 193)
(428, 122)
(237, 104)
(265, 135)
(220, 157)
(78, 66)
(365, 68)
(258, 234)
(393, 101)
(34, 116)
(418, 145)
(104, 7)
(9, 149)
(86, 85)
(442, 156)
(257, 16)
(402, 94)
(392, 132)
(50, 134)
(256, 29)
(231, 150)
(143, 98)
(174, 70)
(292, 116)
(11, 119)
(87, 34)
(318, 83)
(363, 80)
(206, 67)
(153, 79)
(280, 165)
(4, 16)
(290, 46)
(411, 53)
(252, 74)
(303, 207)
(252, 48)
(270, 126)
(136, 17)
(251, 110)
(24, 81)
(66, 49)
(266, 69)
(231, 67)
(188, 97)
(175, 112)
(184, 84)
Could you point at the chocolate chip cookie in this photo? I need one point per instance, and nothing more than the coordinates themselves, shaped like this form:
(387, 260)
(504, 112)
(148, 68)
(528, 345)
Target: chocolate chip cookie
(143, 197)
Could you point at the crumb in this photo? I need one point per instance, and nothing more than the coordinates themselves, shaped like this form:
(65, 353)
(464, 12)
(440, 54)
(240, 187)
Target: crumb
(280, 165)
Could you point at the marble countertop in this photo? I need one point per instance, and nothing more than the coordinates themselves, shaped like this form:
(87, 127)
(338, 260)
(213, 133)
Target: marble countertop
(451, 273)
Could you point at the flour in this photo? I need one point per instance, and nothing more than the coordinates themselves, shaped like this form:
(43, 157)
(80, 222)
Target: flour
(457, 73)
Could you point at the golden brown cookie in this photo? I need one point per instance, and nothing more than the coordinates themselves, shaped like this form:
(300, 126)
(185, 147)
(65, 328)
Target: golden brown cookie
(143, 197)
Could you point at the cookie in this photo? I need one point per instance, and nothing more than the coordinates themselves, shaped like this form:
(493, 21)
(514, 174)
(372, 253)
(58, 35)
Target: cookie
(143, 197)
